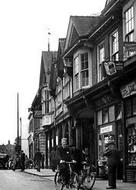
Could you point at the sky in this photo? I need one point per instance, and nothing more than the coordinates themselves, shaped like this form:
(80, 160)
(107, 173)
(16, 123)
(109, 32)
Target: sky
(24, 27)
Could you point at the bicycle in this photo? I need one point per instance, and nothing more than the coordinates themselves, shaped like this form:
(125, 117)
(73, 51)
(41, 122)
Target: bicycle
(60, 182)
(86, 177)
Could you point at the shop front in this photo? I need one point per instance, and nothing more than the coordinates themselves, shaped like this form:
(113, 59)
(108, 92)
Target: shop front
(129, 96)
(109, 127)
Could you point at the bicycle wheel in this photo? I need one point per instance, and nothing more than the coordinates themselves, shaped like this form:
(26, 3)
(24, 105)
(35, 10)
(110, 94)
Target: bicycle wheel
(88, 181)
(74, 183)
(58, 181)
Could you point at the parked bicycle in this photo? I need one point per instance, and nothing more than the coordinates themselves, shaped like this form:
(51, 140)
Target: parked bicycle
(86, 177)
(60, 181)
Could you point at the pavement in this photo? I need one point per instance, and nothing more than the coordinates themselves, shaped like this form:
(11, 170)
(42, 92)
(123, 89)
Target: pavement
(99, 184)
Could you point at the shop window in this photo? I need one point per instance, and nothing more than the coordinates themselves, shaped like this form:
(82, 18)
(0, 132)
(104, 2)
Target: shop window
(128, 108)
(131, 138)
(105, 115)
(118, 112)
(134, 106)
(111, 113)
(99, 117)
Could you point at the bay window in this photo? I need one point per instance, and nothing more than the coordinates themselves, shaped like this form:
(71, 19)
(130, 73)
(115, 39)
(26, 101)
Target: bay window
(100, 59)
(81, 71)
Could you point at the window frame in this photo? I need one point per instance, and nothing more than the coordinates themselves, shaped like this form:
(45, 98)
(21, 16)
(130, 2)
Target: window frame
(78, 79)
(114, 46)
(99, 61)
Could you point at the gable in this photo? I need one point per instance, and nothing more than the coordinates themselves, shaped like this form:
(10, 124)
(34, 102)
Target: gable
(47, 59)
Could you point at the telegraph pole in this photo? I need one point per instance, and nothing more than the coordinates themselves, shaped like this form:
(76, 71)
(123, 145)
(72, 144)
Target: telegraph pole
(17, 118)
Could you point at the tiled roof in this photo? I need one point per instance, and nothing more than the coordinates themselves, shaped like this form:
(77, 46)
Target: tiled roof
(48, 57)
(62, 43)
(84, 24)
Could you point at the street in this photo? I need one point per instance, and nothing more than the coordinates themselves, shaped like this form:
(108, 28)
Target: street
(10, 180)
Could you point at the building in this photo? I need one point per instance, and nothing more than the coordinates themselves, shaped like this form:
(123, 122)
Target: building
(93, 87)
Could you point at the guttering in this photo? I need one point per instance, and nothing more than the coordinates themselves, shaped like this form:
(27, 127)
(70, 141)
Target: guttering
(74, 46)
(111, 7)
(111, 18)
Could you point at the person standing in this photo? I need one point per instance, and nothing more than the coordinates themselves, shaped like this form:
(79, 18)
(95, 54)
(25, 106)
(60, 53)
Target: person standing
(42, 160)
(37, 160)
(53, 159)
(22, 160)
(113, 159)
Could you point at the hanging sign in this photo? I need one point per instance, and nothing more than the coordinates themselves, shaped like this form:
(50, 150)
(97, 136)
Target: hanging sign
(110, 67)
(128, 89)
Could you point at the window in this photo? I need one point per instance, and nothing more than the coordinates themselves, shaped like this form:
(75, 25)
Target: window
(105, 115)
(114, 46)
(81, 71)
(129, 27)
(46, 101)
(130, 107)
(100, 59)
(76, 73)
(84, 69)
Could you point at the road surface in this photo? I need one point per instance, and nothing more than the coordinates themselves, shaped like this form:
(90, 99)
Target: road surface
(10, 180)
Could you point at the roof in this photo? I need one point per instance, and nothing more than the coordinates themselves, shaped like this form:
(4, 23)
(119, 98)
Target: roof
(83, 24)
(61, 44)
(48, 57)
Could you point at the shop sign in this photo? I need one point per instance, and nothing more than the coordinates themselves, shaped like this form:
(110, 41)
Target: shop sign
(130, 46)
(46, 120)
(128, 89)
(106, 129)
(110, 67)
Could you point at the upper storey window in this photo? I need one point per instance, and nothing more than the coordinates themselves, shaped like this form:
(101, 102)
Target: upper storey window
(81, 71)
(129, 29)
(84, 69)
(100, 59)
(114, 46)
(129, 24)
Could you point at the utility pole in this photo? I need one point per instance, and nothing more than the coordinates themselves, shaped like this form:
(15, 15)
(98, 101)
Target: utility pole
(17, 118)
(21, 132)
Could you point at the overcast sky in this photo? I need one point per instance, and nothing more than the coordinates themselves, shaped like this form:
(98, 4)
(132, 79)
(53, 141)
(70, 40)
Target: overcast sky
(24, 28)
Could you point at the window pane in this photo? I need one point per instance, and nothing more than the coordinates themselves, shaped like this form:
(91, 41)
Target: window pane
(128, 108)
(111, 113)
(105, 115)
(84, 78)
(118, 112)
(99, 117)
(84, 61)
(134, 106)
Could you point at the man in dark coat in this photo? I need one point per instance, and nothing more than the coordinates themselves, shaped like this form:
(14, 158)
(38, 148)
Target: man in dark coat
(65, 156)
(37, 160)
(113, 158)
(22, 160)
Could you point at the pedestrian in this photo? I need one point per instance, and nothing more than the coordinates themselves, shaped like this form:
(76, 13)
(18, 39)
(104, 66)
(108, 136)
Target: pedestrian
(113, 159)
(42, 160)
(37, 160)
(22, 160)
(53, 159)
